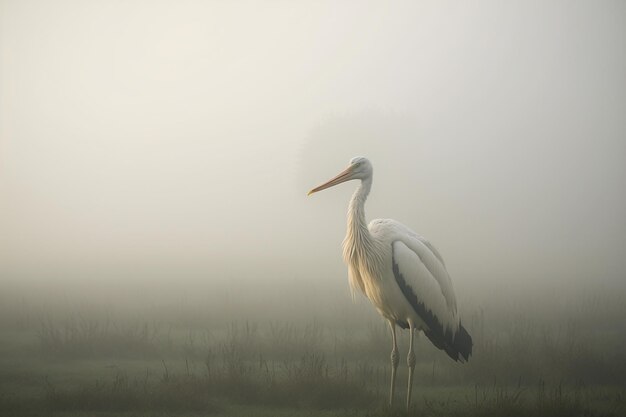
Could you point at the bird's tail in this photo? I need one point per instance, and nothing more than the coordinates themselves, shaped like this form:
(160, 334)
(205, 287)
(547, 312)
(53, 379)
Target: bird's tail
(458, 346)
(462, 344)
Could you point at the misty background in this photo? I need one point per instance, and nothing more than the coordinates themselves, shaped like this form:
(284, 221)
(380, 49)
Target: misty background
(159, 152)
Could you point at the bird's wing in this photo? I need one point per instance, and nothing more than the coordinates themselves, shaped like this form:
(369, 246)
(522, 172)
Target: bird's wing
(432, 248)
(425, 283)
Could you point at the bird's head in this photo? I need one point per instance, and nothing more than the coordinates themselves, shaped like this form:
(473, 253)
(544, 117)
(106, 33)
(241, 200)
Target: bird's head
(359, 168)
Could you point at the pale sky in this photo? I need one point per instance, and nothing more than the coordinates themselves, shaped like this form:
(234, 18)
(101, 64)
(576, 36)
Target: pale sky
(142, 135)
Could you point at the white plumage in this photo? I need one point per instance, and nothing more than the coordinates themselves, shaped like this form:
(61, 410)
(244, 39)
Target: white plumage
(401, 273)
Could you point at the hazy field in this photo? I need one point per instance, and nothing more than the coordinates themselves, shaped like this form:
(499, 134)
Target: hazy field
(159, 254)
(80, 357)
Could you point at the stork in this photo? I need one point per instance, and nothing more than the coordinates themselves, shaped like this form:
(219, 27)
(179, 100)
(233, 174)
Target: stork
(402, 274)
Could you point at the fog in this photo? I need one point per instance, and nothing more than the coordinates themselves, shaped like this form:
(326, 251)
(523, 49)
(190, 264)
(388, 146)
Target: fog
(152, 141)
(155, 158)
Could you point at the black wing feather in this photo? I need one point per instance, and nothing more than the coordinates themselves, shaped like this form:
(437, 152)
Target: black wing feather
(457, 346)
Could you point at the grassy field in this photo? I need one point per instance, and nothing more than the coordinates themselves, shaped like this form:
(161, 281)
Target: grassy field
(96, 362)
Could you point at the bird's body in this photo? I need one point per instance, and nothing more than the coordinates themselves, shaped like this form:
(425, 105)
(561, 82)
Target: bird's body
(379, 285)
(401, 273)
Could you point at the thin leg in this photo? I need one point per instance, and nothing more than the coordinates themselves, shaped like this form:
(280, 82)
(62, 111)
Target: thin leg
(410, 359)
(395, 359)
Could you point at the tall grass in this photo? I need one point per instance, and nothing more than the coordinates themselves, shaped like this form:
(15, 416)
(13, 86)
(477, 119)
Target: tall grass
(308, 383)
(524, 362)
(76, 337)
(520, 348)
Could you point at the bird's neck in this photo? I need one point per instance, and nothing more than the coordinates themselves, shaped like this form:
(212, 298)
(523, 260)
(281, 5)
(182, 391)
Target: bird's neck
(358, 237)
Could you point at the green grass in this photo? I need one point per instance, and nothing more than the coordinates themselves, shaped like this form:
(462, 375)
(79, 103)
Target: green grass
(90, 364)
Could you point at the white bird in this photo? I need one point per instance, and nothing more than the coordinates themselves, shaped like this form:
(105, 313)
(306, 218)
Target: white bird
(402, 274)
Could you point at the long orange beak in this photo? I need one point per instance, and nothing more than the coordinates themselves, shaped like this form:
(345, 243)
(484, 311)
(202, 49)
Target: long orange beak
(343, 176)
